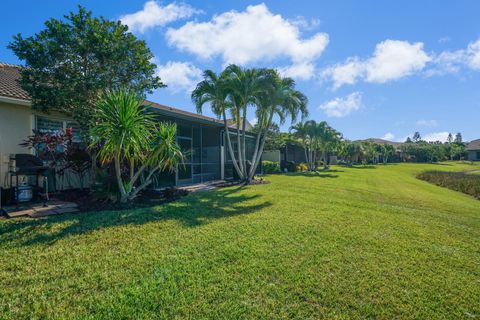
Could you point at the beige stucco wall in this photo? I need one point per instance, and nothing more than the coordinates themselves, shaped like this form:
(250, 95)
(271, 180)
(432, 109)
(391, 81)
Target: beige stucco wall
(17, 120)
(16, 123)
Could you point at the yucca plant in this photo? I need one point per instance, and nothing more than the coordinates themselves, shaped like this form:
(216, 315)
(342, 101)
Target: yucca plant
(126, 133)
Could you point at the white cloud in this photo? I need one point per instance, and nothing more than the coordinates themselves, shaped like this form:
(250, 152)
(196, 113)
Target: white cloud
(305, 24)
(179, 76)
(300, 71)
(427, 123)
(453, 61)
(436, 136)
(391, 60)
(342, 106)
(154, 15)
(388, 136)
(253, 35)
(444, 40)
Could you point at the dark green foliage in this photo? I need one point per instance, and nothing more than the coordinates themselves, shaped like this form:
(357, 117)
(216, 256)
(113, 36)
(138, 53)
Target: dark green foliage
(424, 152)
(270, 167)
(458, 181)
(72, 60)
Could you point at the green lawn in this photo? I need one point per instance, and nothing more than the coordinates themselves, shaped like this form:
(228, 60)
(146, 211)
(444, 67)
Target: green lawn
(366, 242)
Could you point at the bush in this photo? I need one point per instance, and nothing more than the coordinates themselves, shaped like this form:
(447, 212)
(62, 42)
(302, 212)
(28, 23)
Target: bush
(458, 181)
(270, 167)
(302, 167)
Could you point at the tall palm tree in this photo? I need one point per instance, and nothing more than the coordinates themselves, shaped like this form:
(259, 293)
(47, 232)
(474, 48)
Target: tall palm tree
(279, 99)
(244, 86)
(213, 90)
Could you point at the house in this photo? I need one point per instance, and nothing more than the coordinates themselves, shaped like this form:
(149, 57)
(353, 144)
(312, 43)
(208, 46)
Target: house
(201, 138)
(473, 149)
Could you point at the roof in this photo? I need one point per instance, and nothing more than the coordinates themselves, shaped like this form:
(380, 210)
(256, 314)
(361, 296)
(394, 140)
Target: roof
(232, 124)
(9, 86)
(474, 145)
(383, 141)
(181, 113)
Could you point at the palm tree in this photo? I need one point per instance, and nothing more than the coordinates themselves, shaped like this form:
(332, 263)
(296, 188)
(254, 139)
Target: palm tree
(213, 90)
(279, 99)
(244, 85)
(306, 134)
(328, 138)
(126, 133)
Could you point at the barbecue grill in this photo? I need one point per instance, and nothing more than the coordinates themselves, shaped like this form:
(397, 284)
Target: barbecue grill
(24, 164)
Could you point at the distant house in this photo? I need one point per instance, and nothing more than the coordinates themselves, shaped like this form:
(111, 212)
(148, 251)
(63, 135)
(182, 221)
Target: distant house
(200, 137)
(473, 149)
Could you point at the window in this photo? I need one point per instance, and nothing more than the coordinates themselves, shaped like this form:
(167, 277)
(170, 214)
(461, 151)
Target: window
(51, 126)
(478, 155)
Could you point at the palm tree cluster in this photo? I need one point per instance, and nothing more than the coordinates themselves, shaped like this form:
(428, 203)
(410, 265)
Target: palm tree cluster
(317, 140)
(233, 92)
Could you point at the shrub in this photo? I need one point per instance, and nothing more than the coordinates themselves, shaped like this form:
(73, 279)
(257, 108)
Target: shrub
(302, 167)
(458, 181)
(270, 167)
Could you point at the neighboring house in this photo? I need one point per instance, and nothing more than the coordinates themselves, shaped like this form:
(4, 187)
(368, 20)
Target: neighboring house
(17, 119)
(232, 124)
(473, 149)
(200, 137)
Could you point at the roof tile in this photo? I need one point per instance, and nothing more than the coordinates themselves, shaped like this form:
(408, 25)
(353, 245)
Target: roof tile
(9, 86)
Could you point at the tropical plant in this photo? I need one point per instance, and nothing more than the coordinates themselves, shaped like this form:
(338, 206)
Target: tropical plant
(126, 133)
(213, 90)
(236, 89)
(387, 151)
(316, 138)
(278, 100)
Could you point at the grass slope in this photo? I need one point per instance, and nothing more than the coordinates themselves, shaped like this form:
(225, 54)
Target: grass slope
(366, 242)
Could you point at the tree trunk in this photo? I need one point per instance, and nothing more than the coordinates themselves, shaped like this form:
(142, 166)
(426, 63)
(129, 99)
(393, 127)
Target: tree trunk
(118, 174)
(244, 149)
(258, 152)
(325, 166)
(230, 149)
(239, 147)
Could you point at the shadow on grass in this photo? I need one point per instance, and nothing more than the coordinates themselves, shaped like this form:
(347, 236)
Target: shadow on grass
(369, 166)
(315, 174)
(192, 211)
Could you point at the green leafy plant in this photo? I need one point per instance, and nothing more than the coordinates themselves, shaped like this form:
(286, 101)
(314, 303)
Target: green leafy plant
(302, 167)
(127, 134)
(270, 167)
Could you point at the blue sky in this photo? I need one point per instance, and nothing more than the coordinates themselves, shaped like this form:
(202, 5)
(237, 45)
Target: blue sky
(371, 69)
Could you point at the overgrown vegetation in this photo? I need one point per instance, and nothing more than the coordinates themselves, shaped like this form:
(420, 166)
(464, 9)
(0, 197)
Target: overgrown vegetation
(458, 181)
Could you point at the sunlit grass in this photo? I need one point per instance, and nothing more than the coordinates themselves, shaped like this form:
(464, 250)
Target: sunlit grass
(364, 242)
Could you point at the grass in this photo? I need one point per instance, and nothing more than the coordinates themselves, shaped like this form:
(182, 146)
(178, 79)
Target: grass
(465, 182)
(362, 242)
